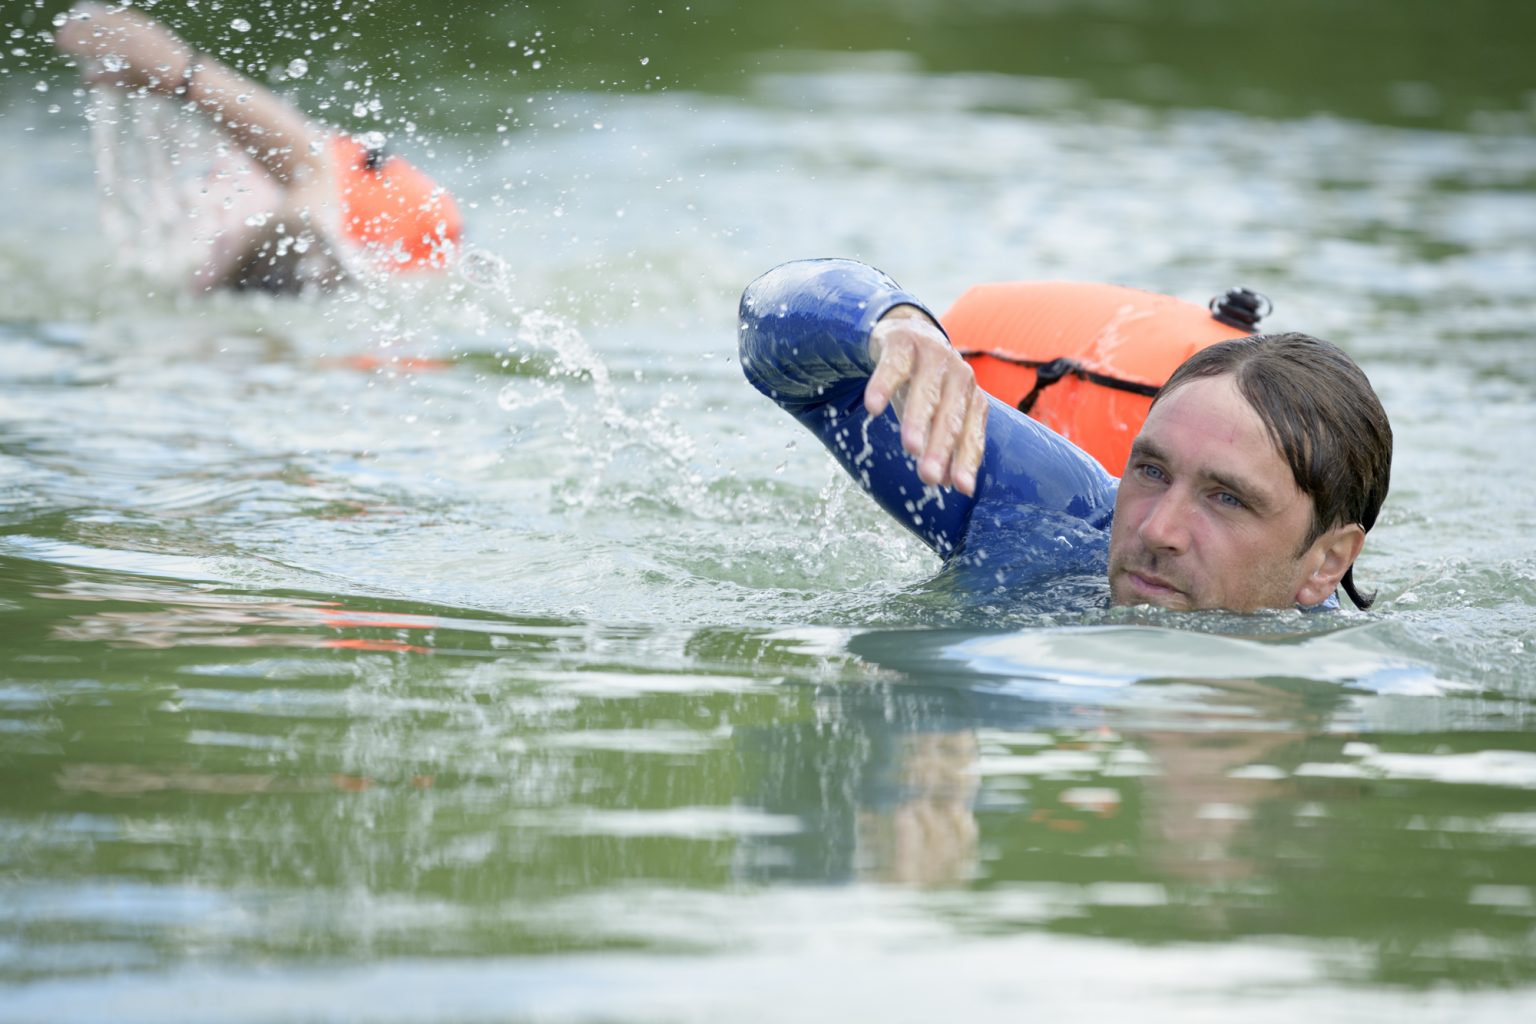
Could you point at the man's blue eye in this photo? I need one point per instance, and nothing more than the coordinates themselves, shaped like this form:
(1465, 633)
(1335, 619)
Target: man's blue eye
(1150, 472)
(1230, 500)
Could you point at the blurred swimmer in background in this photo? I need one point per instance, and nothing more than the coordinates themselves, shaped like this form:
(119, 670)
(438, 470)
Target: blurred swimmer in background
(285, 203)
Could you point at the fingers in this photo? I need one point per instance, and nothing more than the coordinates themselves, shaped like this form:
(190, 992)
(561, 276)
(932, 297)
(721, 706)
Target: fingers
(922, 401)
(934, 410)
(944, 413)
(957, 432)
(136, 51)
(966, 463)
(895, 357)
(78, 37)
(903, 344)
(91, 30)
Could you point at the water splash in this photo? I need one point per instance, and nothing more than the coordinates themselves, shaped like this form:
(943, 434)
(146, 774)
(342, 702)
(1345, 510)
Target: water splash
(145, 168)
(665, 447)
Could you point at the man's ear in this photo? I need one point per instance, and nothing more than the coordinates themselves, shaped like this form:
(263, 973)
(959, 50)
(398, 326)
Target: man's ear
(1326, 562)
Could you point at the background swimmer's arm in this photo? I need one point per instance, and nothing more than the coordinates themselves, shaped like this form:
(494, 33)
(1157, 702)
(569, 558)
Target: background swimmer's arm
(278, 137)
(805, 342)
(129, 51)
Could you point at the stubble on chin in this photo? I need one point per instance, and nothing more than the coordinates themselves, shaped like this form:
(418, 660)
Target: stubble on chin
(1123, 592)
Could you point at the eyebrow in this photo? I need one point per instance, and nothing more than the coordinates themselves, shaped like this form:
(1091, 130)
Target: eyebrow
(1248, 493)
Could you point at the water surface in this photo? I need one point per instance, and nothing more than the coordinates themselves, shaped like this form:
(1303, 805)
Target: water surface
(486, 648)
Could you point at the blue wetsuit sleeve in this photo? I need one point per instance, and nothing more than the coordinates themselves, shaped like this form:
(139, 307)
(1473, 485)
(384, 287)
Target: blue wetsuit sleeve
(805, 344)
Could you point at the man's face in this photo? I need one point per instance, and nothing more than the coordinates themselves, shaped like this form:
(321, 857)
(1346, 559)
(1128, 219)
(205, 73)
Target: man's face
(1208, 513)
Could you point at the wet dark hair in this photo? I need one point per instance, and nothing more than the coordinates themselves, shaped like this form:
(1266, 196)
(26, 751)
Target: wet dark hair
(1323, 417)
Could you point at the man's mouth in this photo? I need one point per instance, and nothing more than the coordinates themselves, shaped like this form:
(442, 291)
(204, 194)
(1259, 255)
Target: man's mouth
(1152, 587)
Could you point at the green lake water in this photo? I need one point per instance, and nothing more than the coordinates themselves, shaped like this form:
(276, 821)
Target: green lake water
(485, 648)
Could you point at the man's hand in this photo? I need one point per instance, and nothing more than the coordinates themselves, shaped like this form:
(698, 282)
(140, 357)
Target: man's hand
(124, 49)
(943, 411)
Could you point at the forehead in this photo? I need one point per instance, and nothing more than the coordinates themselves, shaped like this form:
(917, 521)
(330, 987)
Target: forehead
(1207, 427)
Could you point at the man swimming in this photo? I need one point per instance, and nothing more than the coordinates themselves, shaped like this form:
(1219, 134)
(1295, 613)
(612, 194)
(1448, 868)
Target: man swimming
(1258, 473)
(291, 203)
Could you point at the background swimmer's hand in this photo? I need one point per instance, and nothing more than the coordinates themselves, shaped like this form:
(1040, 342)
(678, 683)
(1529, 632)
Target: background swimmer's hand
(943, 411)
(124, 49)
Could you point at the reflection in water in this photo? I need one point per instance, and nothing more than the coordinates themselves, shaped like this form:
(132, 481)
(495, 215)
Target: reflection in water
(1204, 794)
(1200, 819)
(169, 615)
(903, 778)
(927, 834)
(534, 785)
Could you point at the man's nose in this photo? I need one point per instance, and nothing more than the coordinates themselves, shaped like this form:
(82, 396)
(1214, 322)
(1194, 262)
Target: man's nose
(1166, 524)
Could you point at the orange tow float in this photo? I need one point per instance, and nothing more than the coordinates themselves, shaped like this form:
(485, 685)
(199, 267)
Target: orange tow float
(1086, 359)
(388, 206)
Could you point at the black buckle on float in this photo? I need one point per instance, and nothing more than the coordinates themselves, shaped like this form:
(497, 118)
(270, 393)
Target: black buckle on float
(1242, 308)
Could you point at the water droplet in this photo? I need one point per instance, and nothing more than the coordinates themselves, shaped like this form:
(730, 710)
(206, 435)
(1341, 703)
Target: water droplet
(644, 61)
(536, 65)
(240, 25)
(484, 269)
(298, 67)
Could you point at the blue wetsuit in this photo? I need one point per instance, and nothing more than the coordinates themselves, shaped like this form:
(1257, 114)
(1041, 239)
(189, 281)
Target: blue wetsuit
(1042, 506)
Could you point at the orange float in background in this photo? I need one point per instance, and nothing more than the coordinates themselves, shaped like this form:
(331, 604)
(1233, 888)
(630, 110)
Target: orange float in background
(394, 210)
(1086, 359)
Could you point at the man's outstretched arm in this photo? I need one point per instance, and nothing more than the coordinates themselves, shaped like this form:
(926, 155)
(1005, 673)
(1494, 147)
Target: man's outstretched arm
(816, 334)
(838, 344)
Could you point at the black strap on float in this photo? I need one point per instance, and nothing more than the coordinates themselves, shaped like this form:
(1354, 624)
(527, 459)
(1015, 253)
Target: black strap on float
(1048, 373)
(1241, 308)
